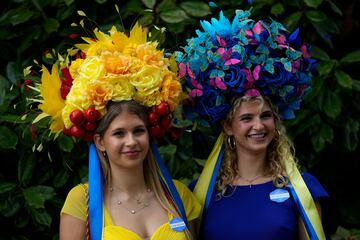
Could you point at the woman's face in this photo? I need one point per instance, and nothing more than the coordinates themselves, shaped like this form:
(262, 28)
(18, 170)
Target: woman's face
(126, 141)
(253, 126)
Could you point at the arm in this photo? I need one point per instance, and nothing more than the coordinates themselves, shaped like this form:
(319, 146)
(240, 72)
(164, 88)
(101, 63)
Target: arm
(302, 230)
(72, 228)
(193, 228)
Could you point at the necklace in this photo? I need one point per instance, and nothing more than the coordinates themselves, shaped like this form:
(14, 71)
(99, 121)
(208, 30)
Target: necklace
(140, 204)
(251, 180)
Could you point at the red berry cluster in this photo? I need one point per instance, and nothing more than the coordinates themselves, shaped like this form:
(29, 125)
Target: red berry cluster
(84, 124)
(160, 120)
(66, 82)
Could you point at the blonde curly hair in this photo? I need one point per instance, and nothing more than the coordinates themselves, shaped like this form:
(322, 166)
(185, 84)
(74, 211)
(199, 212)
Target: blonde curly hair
(280, 150)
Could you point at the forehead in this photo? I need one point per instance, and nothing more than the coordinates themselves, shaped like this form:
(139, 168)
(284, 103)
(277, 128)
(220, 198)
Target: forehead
(126, 119)
(253, 107)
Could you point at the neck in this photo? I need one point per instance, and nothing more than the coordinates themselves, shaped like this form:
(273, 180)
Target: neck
(130, 181)
(251, 165)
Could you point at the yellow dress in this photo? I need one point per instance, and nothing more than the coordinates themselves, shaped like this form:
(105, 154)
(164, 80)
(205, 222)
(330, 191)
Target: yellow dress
(75, 205)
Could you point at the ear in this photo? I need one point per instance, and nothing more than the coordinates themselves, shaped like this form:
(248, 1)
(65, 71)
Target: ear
(99, 143)
(227, 128)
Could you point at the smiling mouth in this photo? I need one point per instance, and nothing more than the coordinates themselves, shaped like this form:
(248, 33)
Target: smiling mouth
(257, 135)
(131, 153)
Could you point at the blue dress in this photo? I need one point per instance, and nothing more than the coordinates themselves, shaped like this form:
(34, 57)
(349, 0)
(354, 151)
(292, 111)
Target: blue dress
(249, 213)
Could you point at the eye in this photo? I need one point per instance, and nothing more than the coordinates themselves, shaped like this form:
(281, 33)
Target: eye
(245, 118)
(139, 131)
(119, 133)
(266, 115)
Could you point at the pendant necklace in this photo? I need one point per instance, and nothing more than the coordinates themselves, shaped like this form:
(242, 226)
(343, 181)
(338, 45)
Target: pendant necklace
(139, 202)
(250, 181)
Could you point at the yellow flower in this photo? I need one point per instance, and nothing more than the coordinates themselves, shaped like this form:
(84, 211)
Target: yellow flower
(149, 55)
(122, 89)
(171, 90)
(53, 102)
(99, 95)
(74, 67)
(116, 63)
(148, 80)
(92, 68)
(148, 100)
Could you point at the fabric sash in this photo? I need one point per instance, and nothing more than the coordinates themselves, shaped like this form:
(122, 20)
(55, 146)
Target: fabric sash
(168, 183)
(307, 209)
(95, 197)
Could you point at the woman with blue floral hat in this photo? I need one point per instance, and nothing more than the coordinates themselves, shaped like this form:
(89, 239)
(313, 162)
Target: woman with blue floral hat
(245, 77)
(119, 95)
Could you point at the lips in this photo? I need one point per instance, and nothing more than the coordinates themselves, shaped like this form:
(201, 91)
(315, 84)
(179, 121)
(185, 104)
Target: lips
(131, 153)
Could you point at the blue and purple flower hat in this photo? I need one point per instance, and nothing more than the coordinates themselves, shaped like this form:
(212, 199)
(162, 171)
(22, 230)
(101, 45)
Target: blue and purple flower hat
(244, 57)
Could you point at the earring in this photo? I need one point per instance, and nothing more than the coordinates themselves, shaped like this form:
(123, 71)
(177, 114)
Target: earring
(231, 142)
(104, 154)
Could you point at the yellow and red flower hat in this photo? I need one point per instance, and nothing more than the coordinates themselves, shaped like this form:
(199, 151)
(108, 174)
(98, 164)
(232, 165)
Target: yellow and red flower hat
(111, 67)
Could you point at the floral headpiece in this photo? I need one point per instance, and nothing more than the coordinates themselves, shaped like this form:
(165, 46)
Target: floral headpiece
(244, 57)
(111, 67)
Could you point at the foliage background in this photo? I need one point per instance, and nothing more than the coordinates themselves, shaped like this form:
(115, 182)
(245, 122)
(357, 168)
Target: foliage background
(37, 172)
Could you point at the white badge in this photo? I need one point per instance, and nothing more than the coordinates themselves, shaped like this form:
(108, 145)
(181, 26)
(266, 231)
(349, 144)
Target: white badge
(279, 195)
(177, 224)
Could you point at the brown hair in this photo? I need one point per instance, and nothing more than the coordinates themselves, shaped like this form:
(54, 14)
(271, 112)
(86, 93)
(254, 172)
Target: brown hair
(279, 150)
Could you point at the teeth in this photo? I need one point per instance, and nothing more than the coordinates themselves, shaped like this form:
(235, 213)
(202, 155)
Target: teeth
(257, 135)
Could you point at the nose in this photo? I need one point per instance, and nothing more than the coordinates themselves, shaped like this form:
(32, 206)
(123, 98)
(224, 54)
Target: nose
(258, 124)
(130, 140)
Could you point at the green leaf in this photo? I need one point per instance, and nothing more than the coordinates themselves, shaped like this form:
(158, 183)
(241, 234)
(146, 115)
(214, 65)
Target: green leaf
(10, 206)
(65, 143)
(318, 53)
(174, 16)
(68, 2)
(356, 85)
(41, 216)
(149, 3)
(324, 68)
(16, 16)
(8, 139)
(15, 119)
(315, 16)
(51, 25)
(343, 79)
(61, 178)
(168, 150)
(196, 9)
(313, 3)
(351, 134)
(11, 72)
(351, 57)
(332, 104)
(292, 21)
(277, 9)
(25, 170)
(36, 196)
(325, 134)
(334, 7)
(6, 187)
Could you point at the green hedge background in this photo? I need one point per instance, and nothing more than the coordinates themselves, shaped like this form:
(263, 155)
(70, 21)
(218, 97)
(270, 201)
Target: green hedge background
(37, 172)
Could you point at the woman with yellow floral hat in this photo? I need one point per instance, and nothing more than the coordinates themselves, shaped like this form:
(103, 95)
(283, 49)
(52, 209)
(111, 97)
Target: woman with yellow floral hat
(119, 95)
(245, 76)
